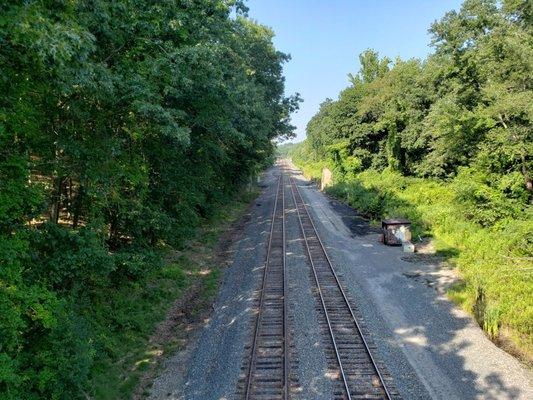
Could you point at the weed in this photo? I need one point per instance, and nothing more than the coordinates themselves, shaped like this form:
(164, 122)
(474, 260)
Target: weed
(494, 259)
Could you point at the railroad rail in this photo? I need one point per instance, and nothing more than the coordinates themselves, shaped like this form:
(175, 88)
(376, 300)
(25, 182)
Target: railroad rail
(267, 375)
(358, 371)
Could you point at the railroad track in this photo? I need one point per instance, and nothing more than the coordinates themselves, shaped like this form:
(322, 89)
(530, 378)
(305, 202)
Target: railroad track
(358, 371)
(267, 372)
(267, 369)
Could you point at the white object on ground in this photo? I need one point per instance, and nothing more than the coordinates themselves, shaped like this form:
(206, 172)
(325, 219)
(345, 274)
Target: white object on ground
(408, 247)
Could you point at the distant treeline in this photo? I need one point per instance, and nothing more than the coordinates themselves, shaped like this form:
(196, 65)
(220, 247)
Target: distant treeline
(470, 104)
(448, 142)
(286, 149)
(122, 125)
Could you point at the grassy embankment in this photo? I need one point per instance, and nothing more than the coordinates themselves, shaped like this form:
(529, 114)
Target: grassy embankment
(495, 262)
(127, 317)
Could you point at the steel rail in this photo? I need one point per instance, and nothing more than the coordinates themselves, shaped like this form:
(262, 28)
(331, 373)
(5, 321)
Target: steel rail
(253, 358)
(358, 327)
(285, 313)
(324, 308)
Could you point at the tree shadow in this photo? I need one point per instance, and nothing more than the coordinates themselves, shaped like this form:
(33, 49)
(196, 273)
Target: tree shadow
(426, 327)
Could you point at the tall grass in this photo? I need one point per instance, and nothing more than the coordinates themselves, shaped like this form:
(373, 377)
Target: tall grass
(495, 262)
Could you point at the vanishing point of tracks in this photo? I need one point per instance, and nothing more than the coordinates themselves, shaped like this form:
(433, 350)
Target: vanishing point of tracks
(267, 372)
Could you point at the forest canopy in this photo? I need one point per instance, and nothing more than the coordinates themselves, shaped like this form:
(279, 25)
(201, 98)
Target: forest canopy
(467, 105)
(123, 124)
(447, 142)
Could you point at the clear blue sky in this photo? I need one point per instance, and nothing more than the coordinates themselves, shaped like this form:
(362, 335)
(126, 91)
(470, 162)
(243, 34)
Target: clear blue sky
(325, 37)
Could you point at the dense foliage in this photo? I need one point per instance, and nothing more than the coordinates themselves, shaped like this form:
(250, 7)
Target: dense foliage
(122, 125)
(448, 142)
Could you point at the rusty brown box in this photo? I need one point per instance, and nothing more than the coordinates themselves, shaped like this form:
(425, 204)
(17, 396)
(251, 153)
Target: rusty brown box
(390, 228)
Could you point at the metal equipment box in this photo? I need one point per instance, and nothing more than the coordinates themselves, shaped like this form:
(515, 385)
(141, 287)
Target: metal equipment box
(396, 231)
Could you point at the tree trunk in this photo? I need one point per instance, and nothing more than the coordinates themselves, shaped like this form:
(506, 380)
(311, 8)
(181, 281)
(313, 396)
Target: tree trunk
(77, 206)
(527, 178)
(56, 199)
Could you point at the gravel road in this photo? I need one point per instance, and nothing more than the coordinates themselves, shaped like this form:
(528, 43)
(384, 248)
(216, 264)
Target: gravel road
(431, 349)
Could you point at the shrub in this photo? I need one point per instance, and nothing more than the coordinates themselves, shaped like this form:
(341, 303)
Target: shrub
(134, 264)
(487, 199)
(64, 257)
(484, 231)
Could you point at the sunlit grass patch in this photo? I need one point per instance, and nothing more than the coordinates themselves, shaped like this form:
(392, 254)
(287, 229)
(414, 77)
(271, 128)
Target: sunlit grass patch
(495, 260)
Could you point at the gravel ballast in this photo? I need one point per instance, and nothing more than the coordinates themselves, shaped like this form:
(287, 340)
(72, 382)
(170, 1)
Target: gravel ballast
(314, 380)
(431, 349)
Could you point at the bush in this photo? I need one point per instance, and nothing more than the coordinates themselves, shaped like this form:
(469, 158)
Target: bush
(63, 257)
(487, 199)
(53, 349)
(135, 264)
(486, 232)
(62, 355)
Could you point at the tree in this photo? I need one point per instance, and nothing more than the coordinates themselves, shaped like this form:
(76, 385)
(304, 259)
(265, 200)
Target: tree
(122, 125)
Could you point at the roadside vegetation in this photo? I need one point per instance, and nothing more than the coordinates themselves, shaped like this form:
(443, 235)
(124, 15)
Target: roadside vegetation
(447, 142)
(145, 326)
(124, 125)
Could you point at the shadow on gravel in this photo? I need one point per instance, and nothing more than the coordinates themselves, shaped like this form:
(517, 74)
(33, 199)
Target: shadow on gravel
(445, 347)
(358, 225)
(430, 331)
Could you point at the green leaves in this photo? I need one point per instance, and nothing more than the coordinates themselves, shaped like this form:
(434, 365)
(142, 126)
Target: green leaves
(122, 125)
(467, 104)
(487, 199)
(371, 67)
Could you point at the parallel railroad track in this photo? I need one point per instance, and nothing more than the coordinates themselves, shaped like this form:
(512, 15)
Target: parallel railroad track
(358, 371)
(267, 375)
